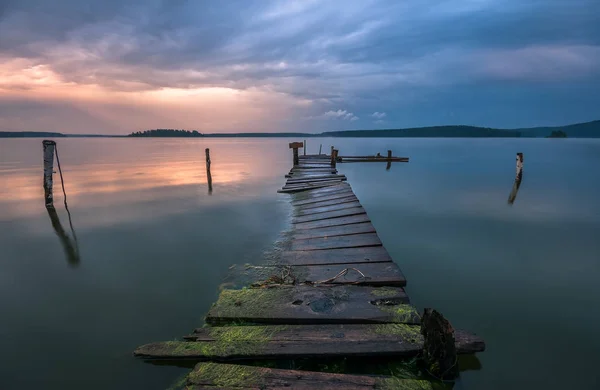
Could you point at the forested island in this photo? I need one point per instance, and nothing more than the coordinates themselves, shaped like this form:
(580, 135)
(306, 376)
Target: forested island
(557, 134)
(167, 133)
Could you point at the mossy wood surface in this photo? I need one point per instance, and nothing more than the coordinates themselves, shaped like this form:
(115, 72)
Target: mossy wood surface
(300, 341)
(229, 376)
(313, 305)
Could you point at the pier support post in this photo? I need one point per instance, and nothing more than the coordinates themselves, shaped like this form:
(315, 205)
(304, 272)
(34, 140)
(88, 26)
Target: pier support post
(389, 162)
(331, 154)
(304, 147)
(208, 174)
(49, 147)
(334, 154)
(439, 350)
(294, 146)
(320, 146)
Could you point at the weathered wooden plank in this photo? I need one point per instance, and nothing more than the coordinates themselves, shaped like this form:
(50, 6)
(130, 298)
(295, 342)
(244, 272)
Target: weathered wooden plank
(359, 218)
(307, 187)
(302, 167)
(336, 190)
(315, 179)
(315, 184)
(324, 198)
(329, 215)
(313, 305)
(333, 231)
(313, 172)
(256, 342)
(316, 175)
(347, 199)
(337, 242)
(375, 274)
(230, 376)
(336, 256)
(326, 208)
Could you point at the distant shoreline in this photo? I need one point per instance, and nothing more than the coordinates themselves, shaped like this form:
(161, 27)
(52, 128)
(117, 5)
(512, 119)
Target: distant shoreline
(579, 130)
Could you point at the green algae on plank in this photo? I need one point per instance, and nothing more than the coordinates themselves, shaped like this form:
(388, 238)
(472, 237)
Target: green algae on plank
(394, 383)
(254, 301)
(226, 375)
(384, 291)
(401, 313)
(408, 333)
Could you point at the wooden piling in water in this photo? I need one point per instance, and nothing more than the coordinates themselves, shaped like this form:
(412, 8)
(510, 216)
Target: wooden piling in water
(518, 179)
(208, 174)
(294, 146)
(334, 154)
(49, 147)
(320, 146)
(304, 147)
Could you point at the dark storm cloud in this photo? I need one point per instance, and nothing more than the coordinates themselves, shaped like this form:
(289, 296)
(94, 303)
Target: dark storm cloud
(362, 57)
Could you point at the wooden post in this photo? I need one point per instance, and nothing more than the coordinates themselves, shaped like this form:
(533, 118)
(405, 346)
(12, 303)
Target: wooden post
(304, 147)
(518, 179)
(331, 151)
(334, 154)
(439, 350)
(49, 147)
(389, 163)
(208, 174)
(320, 146)
(295, 146)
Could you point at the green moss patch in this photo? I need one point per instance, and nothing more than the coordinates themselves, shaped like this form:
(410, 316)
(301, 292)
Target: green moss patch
(404, 314)
(226, 376)
(408, 333)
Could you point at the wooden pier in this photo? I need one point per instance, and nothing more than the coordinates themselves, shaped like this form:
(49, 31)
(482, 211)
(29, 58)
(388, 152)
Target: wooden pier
(333, 292)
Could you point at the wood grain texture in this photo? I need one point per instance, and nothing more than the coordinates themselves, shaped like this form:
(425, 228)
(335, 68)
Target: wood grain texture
(323, 209)
(322, 243)
(375, 254)
(375, 274)
(329, 215)
(333, 231)
(360, 218)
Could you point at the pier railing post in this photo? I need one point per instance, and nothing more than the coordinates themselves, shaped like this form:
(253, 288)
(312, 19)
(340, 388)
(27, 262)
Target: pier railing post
(304, 147)
(331, 154)
(49, 147)
(320, 146)
(208, 174)
(334, 154)
(294, 146)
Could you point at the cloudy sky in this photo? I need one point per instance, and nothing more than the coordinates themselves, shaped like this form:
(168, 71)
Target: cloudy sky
(116, 66)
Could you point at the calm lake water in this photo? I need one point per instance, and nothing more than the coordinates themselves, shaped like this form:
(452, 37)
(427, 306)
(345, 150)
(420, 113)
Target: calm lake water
(154, 246)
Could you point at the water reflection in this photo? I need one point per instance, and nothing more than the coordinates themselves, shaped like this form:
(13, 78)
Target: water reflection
(69, 245)
(518, 179)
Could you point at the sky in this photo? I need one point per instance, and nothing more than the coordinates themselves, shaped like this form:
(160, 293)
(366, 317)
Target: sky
(117, 66)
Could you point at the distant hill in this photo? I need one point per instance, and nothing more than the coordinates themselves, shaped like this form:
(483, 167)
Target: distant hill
(29, 134)
(579, 130)
(435, 131)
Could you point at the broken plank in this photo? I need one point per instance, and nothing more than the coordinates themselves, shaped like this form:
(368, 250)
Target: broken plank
(333, 231)
(359, 218)
(230, 376)
(337, 242)
(374, 254)
(301, 341)
(313, 305)
(330, 215)
(326, 208)
(375, 274)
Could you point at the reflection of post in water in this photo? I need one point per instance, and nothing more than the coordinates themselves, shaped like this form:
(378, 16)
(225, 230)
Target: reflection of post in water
(208, 175)
(70, 246)
(518, 179)
(389, 163)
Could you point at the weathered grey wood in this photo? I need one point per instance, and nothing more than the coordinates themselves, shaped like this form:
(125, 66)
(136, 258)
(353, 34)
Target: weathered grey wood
(333, 231)
(352, 219)
(339, 201)
(48, 148)
(336, 256)
(375, 274)
(229, 376)
(313, 184)
(329, 215)
(344, 194)
(316, 175)
(338, 189)
(337, 242)
(312, 179)
(313, 305)
(323, 209)
(300, 341)
(307, 187)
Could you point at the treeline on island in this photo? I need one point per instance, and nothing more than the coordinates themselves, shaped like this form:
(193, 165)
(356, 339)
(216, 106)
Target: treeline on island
(166, 133)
